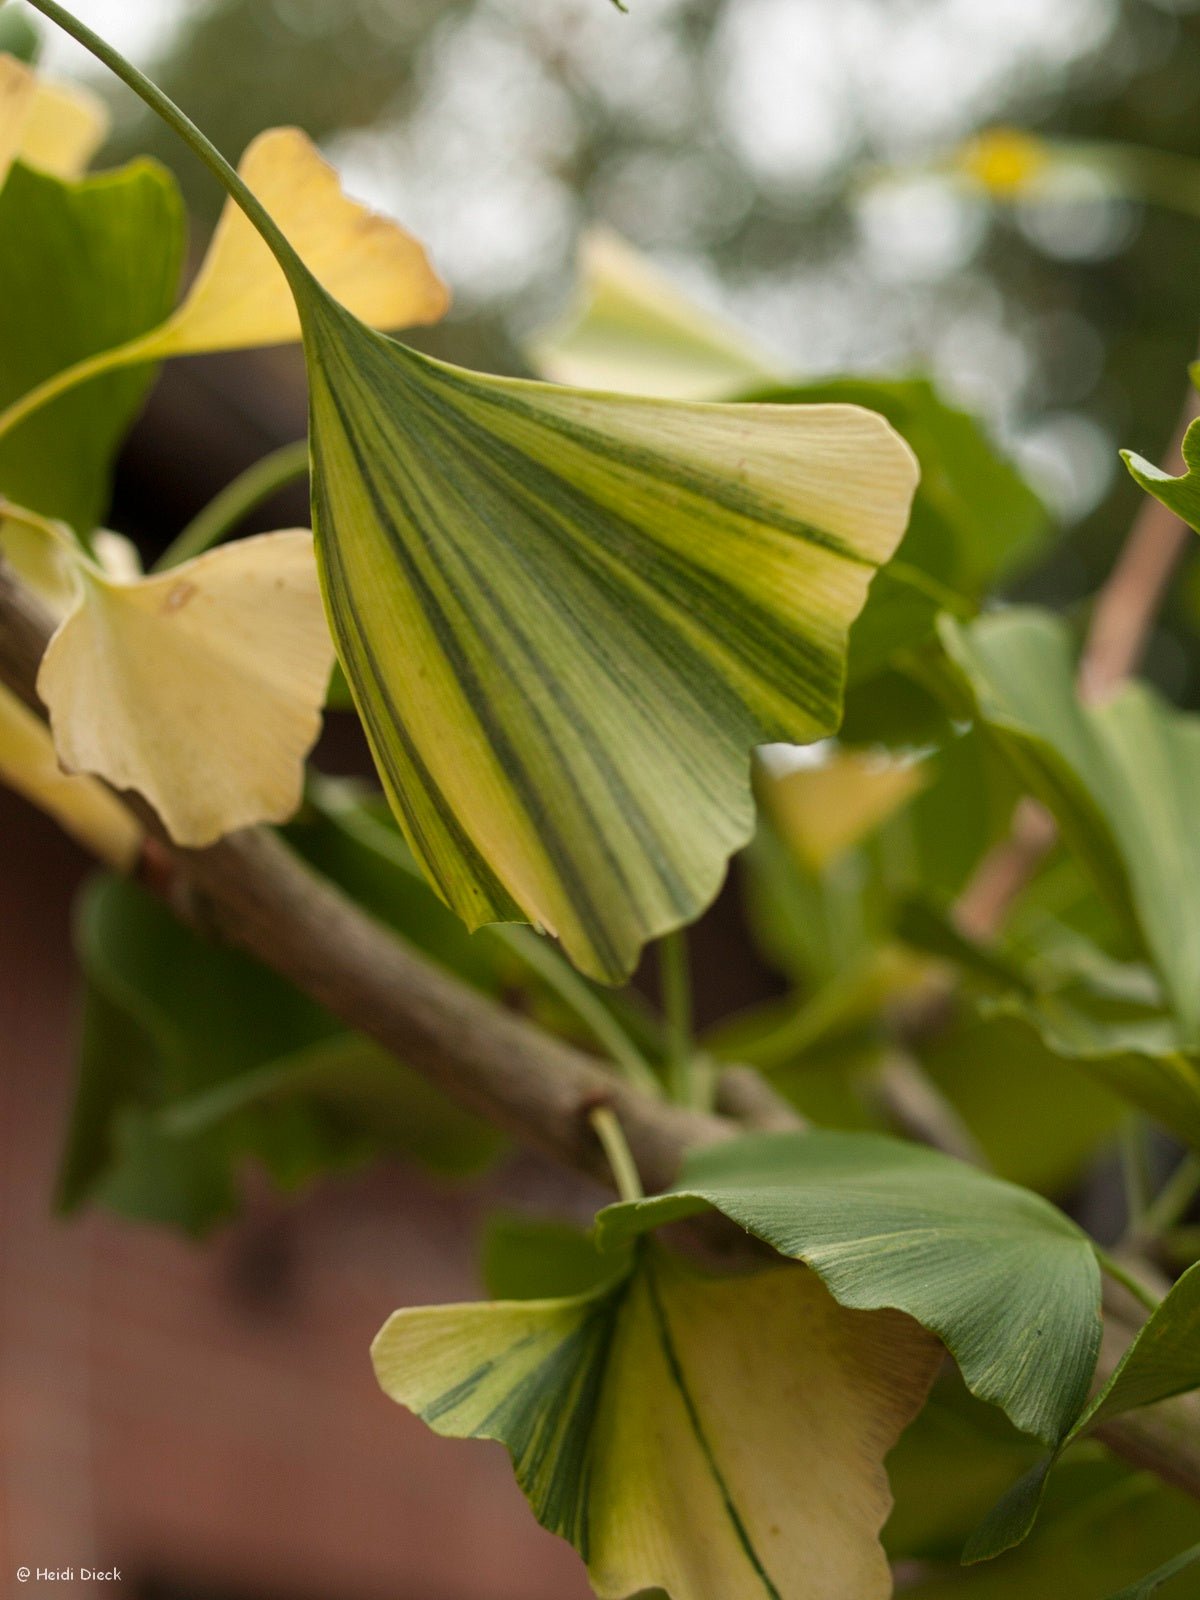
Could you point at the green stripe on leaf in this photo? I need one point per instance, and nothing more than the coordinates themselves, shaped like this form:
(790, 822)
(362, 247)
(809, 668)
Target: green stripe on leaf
(567, 617)
(698, 1435)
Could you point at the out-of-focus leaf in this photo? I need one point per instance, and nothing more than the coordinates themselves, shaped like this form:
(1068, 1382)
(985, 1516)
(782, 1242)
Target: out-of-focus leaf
(1162, 1361)
(83, 807)
(1104, 1525)
(1007, 1281)
(633, 331)
(194, 1058)
(822, 811)
(1037, 1118)
(1121, 778)
(1134, 1051)
(67, 125)
(122, 234)
(1153, 1581)
(948, 1468)
(531, 1258)
(664, 1423)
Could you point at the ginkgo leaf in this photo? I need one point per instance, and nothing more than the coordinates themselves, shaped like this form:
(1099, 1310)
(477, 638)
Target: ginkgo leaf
(699, 1435)
(83, 807)
(1121, 778)
(635, 331)
(1162, 1361)
(55, 127)
(1179, 494)
(566, 618)
(18, 87)
(200, 688)
(369, 264)
(824, 811)
(1008, 1282)
(123, 234)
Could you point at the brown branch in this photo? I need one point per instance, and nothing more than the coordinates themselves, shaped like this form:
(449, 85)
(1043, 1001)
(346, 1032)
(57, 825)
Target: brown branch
(258, 895)
(1121, 622)
(253, 891)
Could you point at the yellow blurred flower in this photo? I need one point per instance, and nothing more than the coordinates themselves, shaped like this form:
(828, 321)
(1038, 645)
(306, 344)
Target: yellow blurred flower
(1004, 161)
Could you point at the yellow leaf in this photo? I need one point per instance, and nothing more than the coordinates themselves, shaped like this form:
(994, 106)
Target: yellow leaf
(83, 807)
(200, 687)
(18, 86)
(824, 811)
(369, 264)
(722, 1439)
(56, 127)
(67, 125)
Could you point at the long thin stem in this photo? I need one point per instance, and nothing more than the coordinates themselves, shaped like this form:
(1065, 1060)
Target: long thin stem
(676, 986)
(1172, 1200)
(530, 948)
(163, 106)
(1126, 1279)
(125, 355)
(235, 502)
(608, 1130)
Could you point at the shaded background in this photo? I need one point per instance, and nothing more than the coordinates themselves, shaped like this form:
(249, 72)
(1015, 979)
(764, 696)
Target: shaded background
(205, 1417)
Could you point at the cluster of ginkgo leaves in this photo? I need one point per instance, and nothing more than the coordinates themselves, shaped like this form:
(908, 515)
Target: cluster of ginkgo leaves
(567, 612)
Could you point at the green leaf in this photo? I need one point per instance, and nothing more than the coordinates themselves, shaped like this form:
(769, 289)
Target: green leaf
(98, 263)
(195, 1059)
(1120, 777)
(567, 617)
(531, 1258)
(1162, 1361)
(701, 1435)
(1180, 495)
(1104, 1525)
(948, 1468)
(1008, 1282)
(1153, 1581)
(975, 521)
(1135, 1053)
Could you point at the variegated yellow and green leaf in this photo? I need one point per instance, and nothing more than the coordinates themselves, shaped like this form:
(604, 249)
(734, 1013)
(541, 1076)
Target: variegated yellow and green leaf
(201, 688)
(704, 1436)
(240, 297)
(567, 617)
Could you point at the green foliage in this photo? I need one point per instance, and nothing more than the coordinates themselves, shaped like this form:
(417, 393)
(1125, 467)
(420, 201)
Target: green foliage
(1163, 1360)
(98, 264)
(195, 1059)
(1180, 495)
(566, 617)
(975, 522)
(1008, 1282)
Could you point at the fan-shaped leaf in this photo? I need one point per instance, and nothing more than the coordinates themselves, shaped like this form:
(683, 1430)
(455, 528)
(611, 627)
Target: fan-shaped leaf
(704, 1436)
(1008, 1282)
(567, 617)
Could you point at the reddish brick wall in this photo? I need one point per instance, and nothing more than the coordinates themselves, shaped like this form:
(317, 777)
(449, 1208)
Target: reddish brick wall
(207, 1416)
